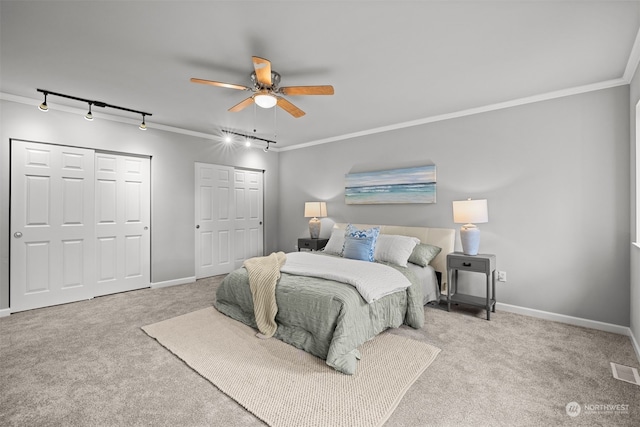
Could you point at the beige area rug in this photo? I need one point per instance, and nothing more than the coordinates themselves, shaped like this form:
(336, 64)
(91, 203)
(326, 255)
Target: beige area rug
(285, 386)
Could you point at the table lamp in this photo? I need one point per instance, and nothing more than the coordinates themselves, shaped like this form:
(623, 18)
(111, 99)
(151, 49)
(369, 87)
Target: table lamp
(468, 212)
(314, 210)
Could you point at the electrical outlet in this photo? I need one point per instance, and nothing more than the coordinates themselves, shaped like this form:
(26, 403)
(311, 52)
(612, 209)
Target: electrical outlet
(502, 276)
(295, 247)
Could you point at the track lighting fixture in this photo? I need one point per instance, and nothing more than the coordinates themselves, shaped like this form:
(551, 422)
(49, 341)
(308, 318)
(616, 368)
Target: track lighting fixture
(44, 107)
(89, 115)
(247, 138)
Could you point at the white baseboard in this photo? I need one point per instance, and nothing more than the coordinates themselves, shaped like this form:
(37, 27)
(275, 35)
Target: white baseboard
(5, 312)
(173, 282)
(562, 318)
(634, 342)
(576, 321)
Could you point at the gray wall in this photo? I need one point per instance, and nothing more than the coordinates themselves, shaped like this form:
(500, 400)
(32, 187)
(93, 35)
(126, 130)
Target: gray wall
(634, 98)
(556, 176)
(172, 175)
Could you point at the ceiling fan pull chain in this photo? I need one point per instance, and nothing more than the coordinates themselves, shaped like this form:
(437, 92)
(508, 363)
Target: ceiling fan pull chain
(254, 118)
(275, 123)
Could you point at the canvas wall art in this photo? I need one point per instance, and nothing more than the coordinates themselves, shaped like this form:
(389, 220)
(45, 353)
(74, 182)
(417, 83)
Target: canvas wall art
(407, 185)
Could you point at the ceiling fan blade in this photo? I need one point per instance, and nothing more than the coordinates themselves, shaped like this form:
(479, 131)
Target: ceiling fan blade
(307, 90)
(241, 105)
(289, 107)
(263, 70)
(212, 83)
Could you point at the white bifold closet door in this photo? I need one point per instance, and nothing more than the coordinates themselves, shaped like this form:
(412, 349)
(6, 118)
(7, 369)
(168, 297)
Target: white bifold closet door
(228, 218)
(123, 215)
(78, 223)
(52, 231)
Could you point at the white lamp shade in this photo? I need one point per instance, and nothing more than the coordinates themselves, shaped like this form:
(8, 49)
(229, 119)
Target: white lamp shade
(315, 209)
(470, 211)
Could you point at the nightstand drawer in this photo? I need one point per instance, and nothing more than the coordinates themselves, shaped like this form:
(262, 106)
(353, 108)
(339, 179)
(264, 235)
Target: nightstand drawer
(468, 264)
(312, 244)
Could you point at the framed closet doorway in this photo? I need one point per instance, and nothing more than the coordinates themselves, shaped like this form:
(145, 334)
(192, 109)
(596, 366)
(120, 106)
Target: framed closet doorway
(80, 224)
(228, 226)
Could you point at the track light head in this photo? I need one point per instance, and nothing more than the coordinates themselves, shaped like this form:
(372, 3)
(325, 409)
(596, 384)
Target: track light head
(44, 107)
(266, 149)
(227, 139)
(143, 125)
(89, 116)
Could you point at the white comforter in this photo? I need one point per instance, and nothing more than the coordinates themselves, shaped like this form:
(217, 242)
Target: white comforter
(371, 279)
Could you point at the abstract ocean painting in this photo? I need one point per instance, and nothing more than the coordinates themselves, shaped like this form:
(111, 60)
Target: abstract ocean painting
(408, 185)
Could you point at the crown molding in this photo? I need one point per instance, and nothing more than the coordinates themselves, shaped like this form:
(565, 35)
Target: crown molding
(632, 65)
(468, 112)
(634, 60)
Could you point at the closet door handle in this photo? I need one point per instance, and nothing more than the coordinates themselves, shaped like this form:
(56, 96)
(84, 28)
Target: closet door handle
(198, 226)
(17, 234)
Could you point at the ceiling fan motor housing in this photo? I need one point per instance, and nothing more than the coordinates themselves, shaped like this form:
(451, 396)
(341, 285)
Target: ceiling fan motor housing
(275, 81)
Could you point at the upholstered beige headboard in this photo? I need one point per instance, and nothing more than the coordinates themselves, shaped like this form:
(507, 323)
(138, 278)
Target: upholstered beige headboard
(442, 237)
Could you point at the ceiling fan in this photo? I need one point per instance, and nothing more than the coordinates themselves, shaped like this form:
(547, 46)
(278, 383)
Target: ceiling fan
(266, 92)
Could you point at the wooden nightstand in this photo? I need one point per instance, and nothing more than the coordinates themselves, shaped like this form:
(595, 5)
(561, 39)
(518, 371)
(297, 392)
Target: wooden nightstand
(312, 244)
(481, 263)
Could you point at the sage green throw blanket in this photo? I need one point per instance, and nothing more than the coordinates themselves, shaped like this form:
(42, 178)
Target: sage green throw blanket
(326, 318)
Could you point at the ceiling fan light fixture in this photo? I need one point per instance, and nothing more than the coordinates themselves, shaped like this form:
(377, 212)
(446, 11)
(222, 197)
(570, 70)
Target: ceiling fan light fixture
(265, 100)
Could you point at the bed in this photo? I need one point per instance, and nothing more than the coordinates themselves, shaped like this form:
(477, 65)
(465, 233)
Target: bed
(331, 319)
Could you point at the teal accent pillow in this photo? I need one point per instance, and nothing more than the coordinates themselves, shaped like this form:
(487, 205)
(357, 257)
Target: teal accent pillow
(373, 233)
(358, 248)
(423, 254)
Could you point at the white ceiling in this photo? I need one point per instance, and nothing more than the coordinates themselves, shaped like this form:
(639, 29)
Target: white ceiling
(390, 62)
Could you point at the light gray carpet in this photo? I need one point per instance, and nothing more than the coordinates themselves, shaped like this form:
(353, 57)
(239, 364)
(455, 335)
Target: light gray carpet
(90, 364)
(284, 386)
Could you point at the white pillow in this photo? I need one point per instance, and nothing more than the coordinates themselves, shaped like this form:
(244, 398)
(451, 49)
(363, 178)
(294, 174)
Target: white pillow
(394, 248)
(335, 243)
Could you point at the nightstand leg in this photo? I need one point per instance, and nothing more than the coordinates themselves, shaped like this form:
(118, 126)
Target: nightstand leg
(488, 307)
(493, 291)
(450, 276)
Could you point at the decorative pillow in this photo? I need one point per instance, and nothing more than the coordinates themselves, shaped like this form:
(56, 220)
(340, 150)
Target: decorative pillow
(394, 248)
(335, 245)
(358, 248)
(423, 254)
(353, 231)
